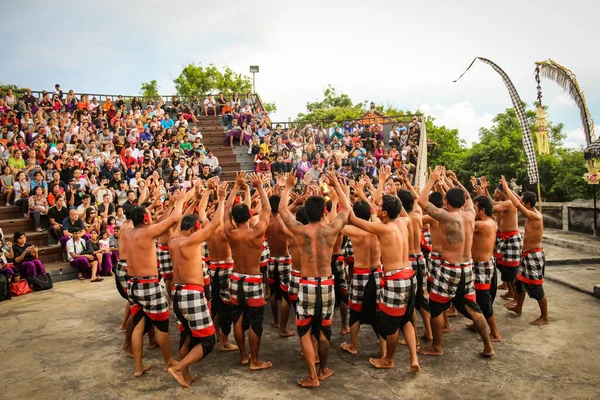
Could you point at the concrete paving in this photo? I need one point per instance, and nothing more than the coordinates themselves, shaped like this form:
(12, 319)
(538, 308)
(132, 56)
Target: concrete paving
(65, 344)
(583, 277)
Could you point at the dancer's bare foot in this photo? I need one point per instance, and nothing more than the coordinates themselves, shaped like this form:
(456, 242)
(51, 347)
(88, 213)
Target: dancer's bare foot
(540, 321)
(309, 382)
(245, 360)
(506, 296)
(260, 365)
(381, 363)
(497, 339)
(275, 325)
(414, 367)
(402, 342)
(123, 326)
(128, 350)
(345, 330)
(451, 312)
(349, 348)
(286, 333)
(513, 308)
(325, 373)
(171, 364)
(427, 337)
(504, 286)
(471, 327)
(446, 329)
(191, 379)
(145, 368)
(487, 354)
(178, 377)
(228, 347)
(430, 351)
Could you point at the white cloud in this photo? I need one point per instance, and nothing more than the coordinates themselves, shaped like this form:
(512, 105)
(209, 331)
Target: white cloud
(562, 100)
(461, 116)
(575, 138)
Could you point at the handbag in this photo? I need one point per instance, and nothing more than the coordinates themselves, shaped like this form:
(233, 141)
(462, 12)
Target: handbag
(40, 282)
(20, 288)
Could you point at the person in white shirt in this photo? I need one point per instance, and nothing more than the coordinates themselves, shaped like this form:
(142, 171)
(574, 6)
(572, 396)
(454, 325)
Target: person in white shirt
(181, 122)
(213, 162)
(81, 259)
(209, 106)
(193, 134)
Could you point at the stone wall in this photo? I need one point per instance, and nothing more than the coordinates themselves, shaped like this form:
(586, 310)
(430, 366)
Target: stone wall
(576, 216)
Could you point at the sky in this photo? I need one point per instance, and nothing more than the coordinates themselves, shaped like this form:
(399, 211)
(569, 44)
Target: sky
(402, 53)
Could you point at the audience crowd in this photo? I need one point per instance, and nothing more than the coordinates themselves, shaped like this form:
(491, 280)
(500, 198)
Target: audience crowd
(75, 165)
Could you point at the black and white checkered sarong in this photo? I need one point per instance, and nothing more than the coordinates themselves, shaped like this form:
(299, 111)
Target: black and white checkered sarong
(508, 248)
(396, 289)
(147, 297)
(447, 280)
(532, 267)
(483, 271)
(121, 278)
(192, 310)
(165, 265)
(360, 277)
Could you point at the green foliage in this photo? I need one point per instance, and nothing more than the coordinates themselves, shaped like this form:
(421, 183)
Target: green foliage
(150, 89)
(197, 80)
(17, 91)
(334, 107)
(270, 107)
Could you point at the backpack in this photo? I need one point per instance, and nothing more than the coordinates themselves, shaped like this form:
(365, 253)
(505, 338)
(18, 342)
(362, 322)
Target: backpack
(4, 288)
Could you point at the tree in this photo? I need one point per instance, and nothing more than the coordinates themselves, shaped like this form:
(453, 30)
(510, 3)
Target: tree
(197, 80)
(334, 107)
(270, 107)
(150, 90)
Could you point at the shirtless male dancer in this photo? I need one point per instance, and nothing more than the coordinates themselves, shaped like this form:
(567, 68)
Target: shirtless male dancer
(246, 282)
(340, 274)
(146, 297)
(453, 282)
(316, 296)
(436, 238)
(365, 283)
(163, 255)
(398, 284)
(220, 269)
(121, 279)
(279, 269)
(508, 240)
(530, 278)
(190, 304)
(484, 270)
(415, 255)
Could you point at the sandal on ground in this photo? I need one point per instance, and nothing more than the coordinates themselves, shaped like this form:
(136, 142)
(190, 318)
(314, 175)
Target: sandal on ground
(98, 279)
(81, 278)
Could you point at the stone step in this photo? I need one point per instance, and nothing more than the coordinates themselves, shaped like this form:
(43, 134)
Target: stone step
(48, 254)
(60, 271)
(578, 242)
(10, 226)
(10, 212)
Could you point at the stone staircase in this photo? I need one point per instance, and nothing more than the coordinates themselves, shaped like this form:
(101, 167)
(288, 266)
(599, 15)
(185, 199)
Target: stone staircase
(51, 254)
(231, 160)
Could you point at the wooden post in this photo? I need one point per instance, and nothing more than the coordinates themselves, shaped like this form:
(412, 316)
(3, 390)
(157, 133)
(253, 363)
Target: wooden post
(539, 196)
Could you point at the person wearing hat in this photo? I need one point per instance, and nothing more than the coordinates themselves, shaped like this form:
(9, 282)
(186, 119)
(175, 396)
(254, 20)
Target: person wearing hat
(370, 169)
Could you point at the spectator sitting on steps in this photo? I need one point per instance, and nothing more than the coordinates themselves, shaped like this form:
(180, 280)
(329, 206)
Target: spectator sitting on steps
(213, 162)
(210, 106)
